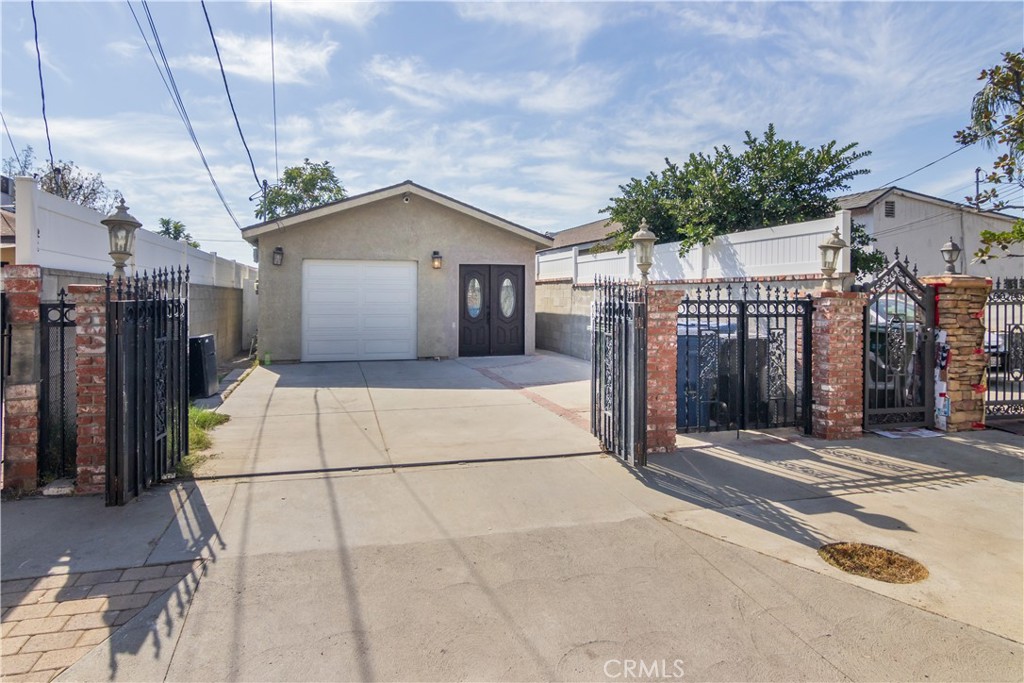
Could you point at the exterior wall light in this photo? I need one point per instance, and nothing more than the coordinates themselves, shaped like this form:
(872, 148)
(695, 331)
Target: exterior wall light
(643, 241)
(122, 226)
(435, 260)
(277, 258)
(950, 253)
(830, 250)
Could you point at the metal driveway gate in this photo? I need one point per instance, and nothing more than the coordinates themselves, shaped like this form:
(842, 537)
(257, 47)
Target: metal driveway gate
(1004, 343)
(58, 404)
(618, 401)
(899, 350)
(745, 362)
(147, 381)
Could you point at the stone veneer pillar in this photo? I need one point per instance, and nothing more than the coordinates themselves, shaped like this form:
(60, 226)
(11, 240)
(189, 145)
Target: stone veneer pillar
(91, 373)
(960, 389)
(837, 365)
(23, 286)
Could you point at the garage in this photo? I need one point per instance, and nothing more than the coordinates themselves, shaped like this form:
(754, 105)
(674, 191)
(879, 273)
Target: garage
(358, 310)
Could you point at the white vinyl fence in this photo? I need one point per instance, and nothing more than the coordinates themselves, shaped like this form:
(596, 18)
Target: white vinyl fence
(56, 233)
(782, 250)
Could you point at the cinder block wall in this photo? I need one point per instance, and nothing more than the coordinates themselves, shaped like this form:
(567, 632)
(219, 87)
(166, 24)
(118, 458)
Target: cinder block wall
(563, 317)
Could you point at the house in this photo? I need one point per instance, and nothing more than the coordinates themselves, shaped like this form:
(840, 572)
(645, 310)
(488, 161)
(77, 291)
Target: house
(8, 230)
(586, 236)
(919, 224)
(397, 273)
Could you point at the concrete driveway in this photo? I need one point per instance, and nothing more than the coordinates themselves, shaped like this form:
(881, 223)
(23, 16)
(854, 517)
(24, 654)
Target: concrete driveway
(317, 417)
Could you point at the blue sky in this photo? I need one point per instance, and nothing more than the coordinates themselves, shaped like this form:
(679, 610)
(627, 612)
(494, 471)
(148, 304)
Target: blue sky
(535, 112)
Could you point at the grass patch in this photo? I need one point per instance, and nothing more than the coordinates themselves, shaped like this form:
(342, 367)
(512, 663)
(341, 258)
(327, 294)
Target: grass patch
(873, 562)
(200, 422)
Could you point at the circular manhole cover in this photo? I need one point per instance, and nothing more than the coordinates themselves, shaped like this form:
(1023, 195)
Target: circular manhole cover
(874, 562)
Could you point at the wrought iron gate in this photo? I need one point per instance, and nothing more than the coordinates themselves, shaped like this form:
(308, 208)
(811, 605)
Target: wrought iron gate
(58, 405)
(147, 381)
(899, 349)
(744, 362)
(1004, 343)
(618, 401)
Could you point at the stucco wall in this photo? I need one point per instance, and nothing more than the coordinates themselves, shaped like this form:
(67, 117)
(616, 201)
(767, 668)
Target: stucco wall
(388, 230)
(563, 318)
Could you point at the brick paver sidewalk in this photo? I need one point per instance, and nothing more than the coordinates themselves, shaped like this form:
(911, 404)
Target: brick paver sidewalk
(51, 622)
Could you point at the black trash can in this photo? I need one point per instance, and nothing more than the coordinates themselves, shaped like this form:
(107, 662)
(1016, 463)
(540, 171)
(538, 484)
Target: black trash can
(202, 366)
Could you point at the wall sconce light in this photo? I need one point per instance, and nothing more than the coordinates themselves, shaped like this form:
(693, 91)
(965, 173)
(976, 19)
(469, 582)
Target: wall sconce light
(435, 260)
(122, 226)
(830, 250)
(643, 241)
(277, 258)
(950, 253)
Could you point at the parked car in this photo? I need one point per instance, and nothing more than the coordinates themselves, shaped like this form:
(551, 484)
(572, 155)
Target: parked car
(995, 347)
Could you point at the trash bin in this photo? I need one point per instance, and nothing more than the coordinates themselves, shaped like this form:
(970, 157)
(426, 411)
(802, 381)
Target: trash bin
(202, 366)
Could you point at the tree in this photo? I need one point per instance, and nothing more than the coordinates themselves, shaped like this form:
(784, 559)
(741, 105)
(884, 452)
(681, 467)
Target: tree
(771, 182)
(65, 179)
(997, 120)
(175, 230)
(301, 188)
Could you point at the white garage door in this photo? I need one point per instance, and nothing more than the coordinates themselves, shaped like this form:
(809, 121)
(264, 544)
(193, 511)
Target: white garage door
(358, 310)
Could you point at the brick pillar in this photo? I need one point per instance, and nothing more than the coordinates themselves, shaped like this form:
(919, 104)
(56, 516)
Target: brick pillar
(662, 339)
(91, 374)
(837, 366)
(960, 389)
(23, 286)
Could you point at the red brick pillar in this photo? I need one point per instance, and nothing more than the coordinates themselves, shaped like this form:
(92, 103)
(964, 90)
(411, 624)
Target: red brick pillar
(91, 372)
(837, 365)
(662, 339)
(23, 286)
(960, 389)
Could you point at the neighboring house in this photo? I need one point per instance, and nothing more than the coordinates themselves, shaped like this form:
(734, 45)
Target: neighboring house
(585, 236)
(8, 225)
(919, 224)
(398, 273)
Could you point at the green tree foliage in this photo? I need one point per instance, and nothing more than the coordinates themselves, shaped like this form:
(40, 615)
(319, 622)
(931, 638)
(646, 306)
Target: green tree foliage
(997, 120)
(865, 261)
(65, 180)
(771, 182)
(301, 188)
(175, 230)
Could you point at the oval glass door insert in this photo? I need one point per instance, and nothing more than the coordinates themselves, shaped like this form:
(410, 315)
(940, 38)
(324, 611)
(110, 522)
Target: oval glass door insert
(507, 298)
(474, 299)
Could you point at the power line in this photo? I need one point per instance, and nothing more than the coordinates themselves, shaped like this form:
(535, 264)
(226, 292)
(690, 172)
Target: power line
(11, 140)
(224, 77)
(944, 156)
(179, 104)
(273, 87)
(42, 91)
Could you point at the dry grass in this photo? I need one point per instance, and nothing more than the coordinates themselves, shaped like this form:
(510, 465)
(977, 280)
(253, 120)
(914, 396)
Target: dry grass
(873, 562)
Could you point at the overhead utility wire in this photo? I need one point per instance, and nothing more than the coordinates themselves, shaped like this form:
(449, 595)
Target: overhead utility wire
(179, 103)
(11, 140)
(944, 156)
(273, 89)
(42, 92)
(224, 77)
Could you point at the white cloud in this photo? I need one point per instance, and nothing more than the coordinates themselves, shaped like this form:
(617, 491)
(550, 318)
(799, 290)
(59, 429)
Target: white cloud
(295, 61)
(44, 57)
(567, 22)
(357, 14)
(743, 21)
(126, 49)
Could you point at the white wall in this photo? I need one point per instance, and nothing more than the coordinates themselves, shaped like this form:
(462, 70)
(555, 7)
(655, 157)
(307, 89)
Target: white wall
(782, 250)
(56, 233)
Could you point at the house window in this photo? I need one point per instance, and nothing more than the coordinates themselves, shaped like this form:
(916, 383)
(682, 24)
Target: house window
(890, 209)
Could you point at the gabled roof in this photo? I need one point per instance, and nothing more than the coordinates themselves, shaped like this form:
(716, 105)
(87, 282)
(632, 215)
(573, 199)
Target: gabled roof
(251, 233)
(860, 200)
(8, 221)
(863, 200)
(597, 231)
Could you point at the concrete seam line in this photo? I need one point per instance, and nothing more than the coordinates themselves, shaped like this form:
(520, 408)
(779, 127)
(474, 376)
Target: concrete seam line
(234, 385)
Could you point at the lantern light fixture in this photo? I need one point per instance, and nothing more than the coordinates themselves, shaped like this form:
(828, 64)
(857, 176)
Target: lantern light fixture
(121, 227)
(950, 253)
(830, 251)
(435, 260)
(277, 257)
(643, 241)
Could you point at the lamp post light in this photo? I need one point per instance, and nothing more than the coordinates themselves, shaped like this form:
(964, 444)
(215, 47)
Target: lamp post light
(643, 241)
(122, 226)
(950, 253)
(830, 250)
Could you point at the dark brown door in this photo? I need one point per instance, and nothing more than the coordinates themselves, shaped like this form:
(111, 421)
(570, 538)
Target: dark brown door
(491, 311)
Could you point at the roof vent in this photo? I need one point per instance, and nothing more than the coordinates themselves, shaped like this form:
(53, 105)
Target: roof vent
(890, 208)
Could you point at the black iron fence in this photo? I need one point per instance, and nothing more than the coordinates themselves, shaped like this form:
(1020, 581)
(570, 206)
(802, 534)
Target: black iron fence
(618, 402)
(58, 405)
(147, 381)
(5, 342)
(1004, 344)
(744, 359)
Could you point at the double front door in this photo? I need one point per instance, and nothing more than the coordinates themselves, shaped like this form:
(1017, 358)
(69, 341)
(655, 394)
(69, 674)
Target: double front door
(491, 310)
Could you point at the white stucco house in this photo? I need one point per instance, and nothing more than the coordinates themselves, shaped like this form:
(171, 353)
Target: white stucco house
(919, 224)
(397, 273)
